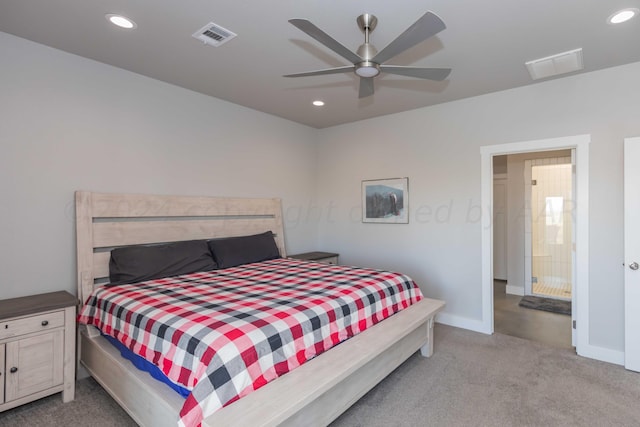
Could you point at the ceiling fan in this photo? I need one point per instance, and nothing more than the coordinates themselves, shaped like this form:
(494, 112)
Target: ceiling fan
(368, 62)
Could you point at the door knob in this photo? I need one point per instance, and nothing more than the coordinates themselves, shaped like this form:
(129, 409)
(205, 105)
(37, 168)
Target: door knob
(634, 266)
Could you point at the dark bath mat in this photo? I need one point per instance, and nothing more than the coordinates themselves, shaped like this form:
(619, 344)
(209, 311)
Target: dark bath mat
(546, 304)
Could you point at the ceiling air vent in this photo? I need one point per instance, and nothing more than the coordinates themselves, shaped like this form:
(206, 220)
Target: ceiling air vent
(213, 34)
(562, 63)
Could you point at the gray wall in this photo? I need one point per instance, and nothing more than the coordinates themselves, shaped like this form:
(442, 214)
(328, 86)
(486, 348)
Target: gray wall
(438, 148)
(69, 123)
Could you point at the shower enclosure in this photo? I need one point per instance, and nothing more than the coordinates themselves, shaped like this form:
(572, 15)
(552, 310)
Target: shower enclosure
(549, 228)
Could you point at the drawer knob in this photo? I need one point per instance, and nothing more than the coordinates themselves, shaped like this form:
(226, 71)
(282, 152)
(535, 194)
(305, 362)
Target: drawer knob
(13, 370)
(45, 322)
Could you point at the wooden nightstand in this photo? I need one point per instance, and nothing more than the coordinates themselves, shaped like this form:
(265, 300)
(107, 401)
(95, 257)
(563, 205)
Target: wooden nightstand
(37, 348)
(325, 257)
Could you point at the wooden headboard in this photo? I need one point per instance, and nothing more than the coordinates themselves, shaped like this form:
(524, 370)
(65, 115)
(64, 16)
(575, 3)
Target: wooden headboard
(106, 221)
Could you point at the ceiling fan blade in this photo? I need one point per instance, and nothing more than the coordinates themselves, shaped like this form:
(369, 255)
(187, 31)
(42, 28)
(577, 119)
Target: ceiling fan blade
(325, 39)
(366, 87)
(425, 27)
(336, 70)
(421, 73)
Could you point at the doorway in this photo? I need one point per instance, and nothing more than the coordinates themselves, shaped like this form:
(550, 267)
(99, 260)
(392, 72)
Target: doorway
(538, 207)
(580, 312)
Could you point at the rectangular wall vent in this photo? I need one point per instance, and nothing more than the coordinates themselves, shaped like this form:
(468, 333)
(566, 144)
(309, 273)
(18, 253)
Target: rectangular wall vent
(562, 63)
(213, 34)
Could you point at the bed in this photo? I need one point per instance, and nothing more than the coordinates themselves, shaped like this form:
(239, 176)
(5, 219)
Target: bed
(314, 393)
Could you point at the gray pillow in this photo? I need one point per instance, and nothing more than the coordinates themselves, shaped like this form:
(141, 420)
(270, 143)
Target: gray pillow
(139, 263)
(233, 251)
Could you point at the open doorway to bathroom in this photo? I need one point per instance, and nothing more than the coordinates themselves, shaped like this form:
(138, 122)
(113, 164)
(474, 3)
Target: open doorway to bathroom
(532, 244)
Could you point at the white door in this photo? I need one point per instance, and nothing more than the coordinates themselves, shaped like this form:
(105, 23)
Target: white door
(632, 253)
(500, 228)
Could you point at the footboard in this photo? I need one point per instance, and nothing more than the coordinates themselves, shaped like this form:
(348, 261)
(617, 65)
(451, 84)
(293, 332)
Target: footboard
(319, 391)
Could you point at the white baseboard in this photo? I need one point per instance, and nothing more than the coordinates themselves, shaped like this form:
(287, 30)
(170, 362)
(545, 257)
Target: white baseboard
(602, 354)
(461, 322)
(515, 290)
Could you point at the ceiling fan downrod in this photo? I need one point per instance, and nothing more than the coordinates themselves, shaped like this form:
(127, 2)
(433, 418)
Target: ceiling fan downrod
(367, 23)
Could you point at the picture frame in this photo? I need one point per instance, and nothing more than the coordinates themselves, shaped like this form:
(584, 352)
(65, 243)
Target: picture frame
(385, 201)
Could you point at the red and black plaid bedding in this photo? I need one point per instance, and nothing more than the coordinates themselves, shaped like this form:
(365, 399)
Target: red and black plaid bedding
(222, 334)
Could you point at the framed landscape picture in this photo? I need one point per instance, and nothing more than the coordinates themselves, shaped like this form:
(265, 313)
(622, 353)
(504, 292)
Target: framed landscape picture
(386, 201)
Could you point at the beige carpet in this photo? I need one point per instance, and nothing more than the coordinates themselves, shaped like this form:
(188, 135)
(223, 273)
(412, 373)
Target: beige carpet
(471, 380)
(478, 380)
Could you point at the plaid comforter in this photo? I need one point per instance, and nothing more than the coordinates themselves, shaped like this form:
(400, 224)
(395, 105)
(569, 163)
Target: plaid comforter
(222, 334)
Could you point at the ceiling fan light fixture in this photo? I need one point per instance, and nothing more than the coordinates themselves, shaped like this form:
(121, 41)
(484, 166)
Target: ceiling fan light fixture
(622, 16)
(367, 69)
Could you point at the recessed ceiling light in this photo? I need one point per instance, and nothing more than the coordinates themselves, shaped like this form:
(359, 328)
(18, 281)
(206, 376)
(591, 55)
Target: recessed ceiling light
(121, 21)
(318, 103)
(622, 16)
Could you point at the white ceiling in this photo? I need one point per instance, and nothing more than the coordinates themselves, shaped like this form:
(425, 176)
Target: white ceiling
(486, 43)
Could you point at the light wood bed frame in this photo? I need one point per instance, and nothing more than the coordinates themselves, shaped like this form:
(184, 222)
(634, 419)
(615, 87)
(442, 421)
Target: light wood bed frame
(313, 394)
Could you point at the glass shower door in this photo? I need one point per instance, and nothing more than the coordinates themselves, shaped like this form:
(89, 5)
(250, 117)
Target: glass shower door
(551, 228)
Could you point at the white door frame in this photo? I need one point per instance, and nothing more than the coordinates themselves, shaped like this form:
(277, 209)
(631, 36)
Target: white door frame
(581, 144)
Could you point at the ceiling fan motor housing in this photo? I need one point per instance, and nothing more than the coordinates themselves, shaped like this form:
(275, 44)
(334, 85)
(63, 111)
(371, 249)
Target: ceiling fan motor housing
(367, 51)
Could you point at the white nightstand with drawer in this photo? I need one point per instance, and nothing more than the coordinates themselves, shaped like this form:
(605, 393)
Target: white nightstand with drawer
(37, 348)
